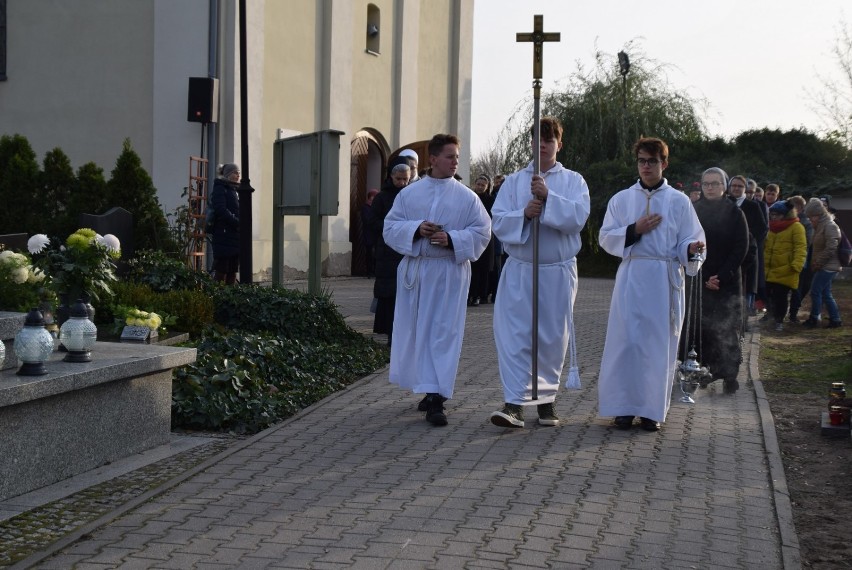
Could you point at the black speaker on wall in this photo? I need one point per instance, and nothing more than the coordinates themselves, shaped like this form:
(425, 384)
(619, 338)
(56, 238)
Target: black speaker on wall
(203, 100)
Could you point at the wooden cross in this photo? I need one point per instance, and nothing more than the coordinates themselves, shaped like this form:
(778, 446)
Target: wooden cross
(538, 37)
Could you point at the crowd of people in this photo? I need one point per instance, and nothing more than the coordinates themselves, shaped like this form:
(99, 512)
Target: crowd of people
(439, 248)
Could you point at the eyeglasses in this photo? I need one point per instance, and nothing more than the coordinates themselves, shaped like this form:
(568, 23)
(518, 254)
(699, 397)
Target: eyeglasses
(714, 184)
(734, 186)
(648, 161)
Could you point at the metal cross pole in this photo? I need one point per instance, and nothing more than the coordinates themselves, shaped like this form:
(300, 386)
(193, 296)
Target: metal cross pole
(537, 37)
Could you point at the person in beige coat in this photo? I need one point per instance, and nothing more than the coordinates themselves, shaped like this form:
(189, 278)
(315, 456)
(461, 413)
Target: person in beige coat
(825, 263)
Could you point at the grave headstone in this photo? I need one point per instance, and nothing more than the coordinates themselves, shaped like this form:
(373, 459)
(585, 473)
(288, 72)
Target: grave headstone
(116, 221)
(15, 242)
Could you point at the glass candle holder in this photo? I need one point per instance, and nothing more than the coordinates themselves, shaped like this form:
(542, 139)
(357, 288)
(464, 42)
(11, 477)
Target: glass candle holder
(78, 334)
(33, 345)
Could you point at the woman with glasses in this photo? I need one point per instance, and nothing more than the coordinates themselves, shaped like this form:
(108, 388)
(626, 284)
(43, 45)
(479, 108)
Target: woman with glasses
(720, 320)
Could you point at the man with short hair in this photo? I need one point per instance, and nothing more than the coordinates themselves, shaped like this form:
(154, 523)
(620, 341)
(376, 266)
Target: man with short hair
(439, 225)
(559, 198)
(772, 194)
(655, 230)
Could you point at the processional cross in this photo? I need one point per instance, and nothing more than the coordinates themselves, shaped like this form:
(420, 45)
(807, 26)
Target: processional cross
(537, 37)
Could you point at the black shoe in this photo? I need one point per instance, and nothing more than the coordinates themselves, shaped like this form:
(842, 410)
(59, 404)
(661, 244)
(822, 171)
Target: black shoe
(423, 405)
(475, 302)
(793, 319)
(648, 424)
(512, 415)
(623, 422)
(435, 410)
(811, 323)
(834, 324)
(730, 386)
(547, 415)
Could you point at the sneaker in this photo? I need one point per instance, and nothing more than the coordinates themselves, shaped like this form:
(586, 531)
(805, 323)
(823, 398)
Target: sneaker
(811, 323)
(779, 327)
(834, 324)
(547, 415)
(512, 415)
(435, 410)
(793, 319)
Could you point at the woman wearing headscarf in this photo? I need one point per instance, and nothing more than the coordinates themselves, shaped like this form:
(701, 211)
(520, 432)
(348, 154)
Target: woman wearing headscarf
(481, 268)
(226, 223)
(387, 260)
(784, 254)
(825, 263)
(727, 238)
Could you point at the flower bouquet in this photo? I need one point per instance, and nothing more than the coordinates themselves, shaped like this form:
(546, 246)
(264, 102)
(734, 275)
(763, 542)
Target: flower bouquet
(22, 285)
(135, 324)
(81, 267)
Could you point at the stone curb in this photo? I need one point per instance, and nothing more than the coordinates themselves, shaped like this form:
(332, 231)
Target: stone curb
(783, 508)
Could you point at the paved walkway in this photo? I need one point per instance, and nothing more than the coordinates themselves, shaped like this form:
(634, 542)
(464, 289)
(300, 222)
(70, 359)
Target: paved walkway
(360, 480)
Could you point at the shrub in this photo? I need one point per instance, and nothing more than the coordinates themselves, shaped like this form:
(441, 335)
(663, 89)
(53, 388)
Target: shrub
(130, 187)
(285, 312)
(192, 308)
(246, 382)
(163, 273)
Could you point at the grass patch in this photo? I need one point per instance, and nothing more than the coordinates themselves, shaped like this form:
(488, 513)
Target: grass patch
(807, 361)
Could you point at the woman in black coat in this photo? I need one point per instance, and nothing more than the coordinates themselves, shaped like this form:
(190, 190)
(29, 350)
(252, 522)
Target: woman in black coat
(727, 237)
(387, 260)
(480, 270)
(226, 223)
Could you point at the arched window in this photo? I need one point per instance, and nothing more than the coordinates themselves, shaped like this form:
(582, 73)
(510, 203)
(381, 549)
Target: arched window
(374, 27)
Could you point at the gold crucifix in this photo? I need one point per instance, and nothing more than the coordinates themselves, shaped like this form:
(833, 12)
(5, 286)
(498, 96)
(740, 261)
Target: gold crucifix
(538, 37)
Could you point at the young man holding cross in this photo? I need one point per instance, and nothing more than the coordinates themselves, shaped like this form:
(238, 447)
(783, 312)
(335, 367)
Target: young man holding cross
(560, 199)
(655, 230)
(439, 225)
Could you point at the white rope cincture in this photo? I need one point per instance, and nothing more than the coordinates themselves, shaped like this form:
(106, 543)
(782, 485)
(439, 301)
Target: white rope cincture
(573, 380)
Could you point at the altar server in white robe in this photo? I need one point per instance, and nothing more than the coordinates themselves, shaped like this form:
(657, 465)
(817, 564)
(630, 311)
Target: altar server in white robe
(560, 199)
(440, 226)
(655, 230)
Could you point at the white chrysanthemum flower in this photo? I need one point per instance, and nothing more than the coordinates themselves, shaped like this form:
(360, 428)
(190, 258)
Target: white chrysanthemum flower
(20, 275)
(111, 242)
(37, 243)
(36, 275)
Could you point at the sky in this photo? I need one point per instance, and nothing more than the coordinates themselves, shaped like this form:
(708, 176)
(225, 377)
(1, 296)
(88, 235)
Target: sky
(756, 62)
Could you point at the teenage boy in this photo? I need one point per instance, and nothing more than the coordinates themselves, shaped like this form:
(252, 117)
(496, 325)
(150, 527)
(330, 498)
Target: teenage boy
(439, 225)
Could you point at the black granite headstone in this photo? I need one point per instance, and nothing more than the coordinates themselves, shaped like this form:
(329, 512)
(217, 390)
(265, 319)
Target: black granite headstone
(116, 221)
(14, 242)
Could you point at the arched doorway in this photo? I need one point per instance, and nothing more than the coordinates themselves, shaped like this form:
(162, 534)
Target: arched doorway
(422, 150)
(368, 151)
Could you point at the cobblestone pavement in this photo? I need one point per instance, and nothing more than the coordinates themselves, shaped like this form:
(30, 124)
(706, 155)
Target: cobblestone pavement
(360, 480)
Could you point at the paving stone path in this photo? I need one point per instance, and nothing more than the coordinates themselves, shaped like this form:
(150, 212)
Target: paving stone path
(360, 480)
